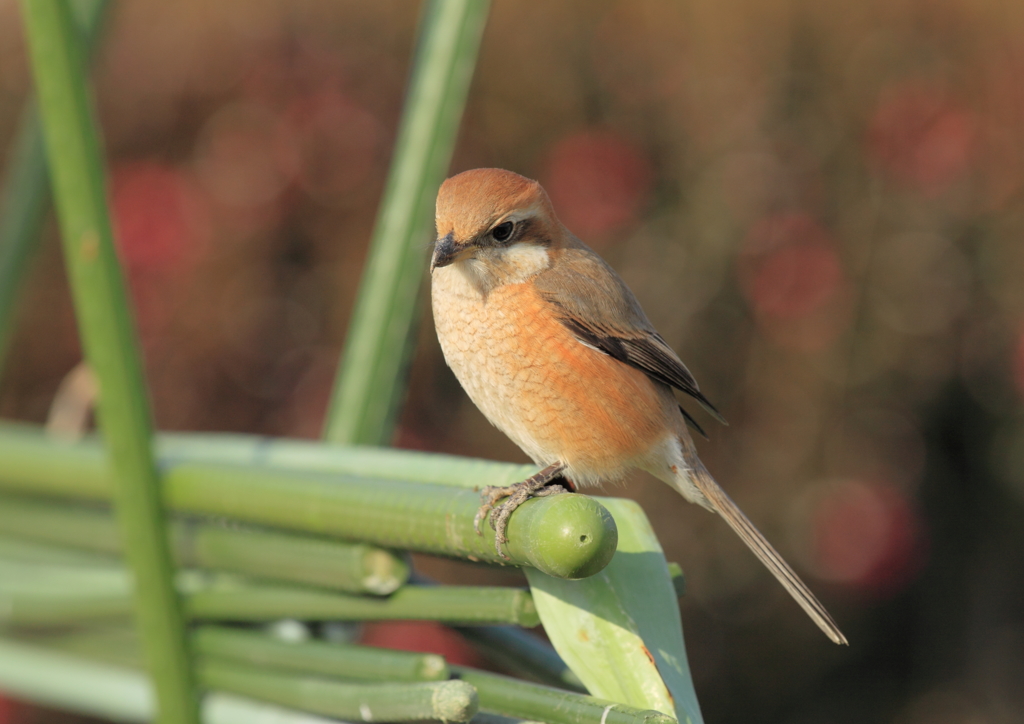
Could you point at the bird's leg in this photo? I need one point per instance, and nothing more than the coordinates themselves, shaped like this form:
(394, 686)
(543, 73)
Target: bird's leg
(533, 485)
(517, 494)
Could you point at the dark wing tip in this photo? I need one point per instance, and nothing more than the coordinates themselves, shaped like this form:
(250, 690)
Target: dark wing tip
(693, 424)
(711, 409)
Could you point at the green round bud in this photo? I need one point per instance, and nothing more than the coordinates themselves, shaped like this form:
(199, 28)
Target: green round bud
(567, 535)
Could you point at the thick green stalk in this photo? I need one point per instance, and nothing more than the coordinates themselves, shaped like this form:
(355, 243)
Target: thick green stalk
(344, 661)
(361, 460)
(342, 566)
(370, 381)
(501, 695)
(34, 673)
(563, 535)
(339, 565)
(35, 594)
(117, 691)
(115, 643)
(498, 694)
(33, 462)
(84, 464)
(26, 195)
(569, 536)
(105, 325)
(439, 700)
(76, 526)
(32, 551)
(38, 590)
(449, 604)
(514, 698)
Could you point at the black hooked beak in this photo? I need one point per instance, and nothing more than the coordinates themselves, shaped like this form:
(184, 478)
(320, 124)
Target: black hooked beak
(445, 251)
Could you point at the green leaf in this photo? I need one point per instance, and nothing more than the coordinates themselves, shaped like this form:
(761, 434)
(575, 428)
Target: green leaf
(619, 630)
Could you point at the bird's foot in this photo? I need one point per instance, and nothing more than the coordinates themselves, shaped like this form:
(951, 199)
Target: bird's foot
(535, 486)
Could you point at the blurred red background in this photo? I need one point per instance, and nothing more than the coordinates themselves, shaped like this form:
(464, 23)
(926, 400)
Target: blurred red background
(819, 205)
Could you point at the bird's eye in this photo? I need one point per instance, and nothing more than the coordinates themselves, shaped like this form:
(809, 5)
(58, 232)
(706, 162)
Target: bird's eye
(502, 232)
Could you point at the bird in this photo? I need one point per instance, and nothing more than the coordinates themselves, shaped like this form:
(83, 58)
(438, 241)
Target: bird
(554, 349)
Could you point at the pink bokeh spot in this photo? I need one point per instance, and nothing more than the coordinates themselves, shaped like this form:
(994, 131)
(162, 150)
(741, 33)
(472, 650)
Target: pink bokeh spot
(790, 267)
(598, 181)
(867, 535)
(159, 217)
(162, 229)
(920, 138)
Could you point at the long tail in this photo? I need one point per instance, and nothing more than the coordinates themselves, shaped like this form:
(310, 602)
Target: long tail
(722, 504)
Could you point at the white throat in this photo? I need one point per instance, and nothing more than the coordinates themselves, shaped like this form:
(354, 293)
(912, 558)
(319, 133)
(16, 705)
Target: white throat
(496, 267)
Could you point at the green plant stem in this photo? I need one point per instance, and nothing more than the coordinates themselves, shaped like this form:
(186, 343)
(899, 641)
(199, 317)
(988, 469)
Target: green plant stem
(28, 550)
(519, 699)
(450, 604)
(63, 681)
(344, 661)
(439, 700)
(105, 325)
(370, 381)
(359, 460)
(85, 468)
(349, 567)
(567, 536)
(38, 594)
(501, 695)
(77, 526)
(26, 194)
(115, 643)
(338, 565)
(33, 592)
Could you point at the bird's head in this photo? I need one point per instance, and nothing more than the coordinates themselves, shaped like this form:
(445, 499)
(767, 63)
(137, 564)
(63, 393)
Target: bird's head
(497, 225)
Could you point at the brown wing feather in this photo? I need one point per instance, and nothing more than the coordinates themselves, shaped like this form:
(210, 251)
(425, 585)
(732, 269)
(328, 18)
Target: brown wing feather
(613, 322)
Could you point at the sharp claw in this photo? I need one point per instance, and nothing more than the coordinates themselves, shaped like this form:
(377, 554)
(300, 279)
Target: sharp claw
(484, 510)
(490, 495)
(494, 516)
(498, 515)
(499, 540)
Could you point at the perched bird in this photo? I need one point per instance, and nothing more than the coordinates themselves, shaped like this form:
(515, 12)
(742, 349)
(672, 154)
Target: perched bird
(555, 350)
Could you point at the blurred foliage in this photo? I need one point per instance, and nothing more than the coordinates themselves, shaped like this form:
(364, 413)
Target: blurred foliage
(818, 204)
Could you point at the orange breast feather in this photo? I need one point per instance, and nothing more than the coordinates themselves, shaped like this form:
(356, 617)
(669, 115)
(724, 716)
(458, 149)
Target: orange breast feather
(597, 412)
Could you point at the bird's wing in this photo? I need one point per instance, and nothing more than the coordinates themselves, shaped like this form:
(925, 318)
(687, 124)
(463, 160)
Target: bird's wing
(599, 309)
